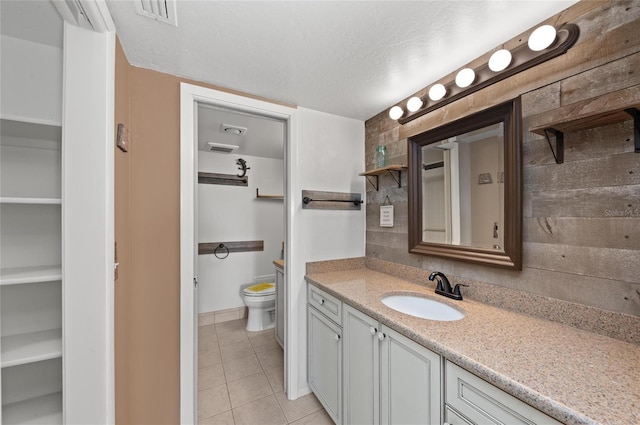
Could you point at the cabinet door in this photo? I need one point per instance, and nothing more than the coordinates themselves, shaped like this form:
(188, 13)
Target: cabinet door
(361, 372)
(409, 381)
(280, 307)
(325, 362)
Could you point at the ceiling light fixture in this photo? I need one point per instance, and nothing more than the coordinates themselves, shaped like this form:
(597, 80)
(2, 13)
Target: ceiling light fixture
(233, 129)
(465, 77)
(437, 92)
(544, 43)
(500, 60)
(542, 38)
(395, 112)
(414, 104)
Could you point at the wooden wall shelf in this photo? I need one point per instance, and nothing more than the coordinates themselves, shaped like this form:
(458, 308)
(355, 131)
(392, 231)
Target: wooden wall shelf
(228, 247)
(389, 169)
(566, 119)
(268, 196)
(225, 179)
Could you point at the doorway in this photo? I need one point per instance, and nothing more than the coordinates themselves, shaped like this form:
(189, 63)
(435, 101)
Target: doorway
(191, 98)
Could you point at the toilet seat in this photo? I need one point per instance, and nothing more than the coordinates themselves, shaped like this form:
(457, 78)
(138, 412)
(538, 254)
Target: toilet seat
(260, 290)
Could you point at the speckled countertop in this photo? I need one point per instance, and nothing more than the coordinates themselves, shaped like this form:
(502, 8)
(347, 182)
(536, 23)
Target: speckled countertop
(575, 376)
(279, 263)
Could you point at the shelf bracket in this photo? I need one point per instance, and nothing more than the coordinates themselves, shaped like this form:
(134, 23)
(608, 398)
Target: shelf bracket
(558, 152)
(636, 127)
(399, 179)
(376, 184)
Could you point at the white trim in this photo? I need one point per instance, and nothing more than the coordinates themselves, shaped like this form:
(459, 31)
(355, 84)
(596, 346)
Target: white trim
(189, 95)
(88, 226)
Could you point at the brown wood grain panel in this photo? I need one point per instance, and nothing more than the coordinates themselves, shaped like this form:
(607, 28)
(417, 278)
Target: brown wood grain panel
(224, 179)
(597, 202)
(613, 170)
(610, 77)
(584, 260)
(388, 239)
(233, 246)
(620, 233)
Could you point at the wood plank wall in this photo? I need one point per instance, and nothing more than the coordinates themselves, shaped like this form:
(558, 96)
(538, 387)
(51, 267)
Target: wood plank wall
(582, 218)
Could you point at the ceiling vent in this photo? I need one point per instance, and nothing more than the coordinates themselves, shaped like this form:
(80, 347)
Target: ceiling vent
(232, 129)
(160, 10)
(220, 147)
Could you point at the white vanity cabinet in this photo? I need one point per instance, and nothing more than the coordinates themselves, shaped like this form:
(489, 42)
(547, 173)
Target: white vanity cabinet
(325, 350)
(388, 378)
(471, 400)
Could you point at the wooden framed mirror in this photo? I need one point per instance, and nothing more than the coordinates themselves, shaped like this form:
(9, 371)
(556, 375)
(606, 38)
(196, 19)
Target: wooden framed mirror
(465, 189)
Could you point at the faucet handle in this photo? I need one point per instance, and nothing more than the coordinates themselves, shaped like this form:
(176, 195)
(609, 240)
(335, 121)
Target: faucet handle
(456, 289)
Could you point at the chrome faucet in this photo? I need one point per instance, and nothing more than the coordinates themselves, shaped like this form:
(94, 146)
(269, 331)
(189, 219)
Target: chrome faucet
(443, 287)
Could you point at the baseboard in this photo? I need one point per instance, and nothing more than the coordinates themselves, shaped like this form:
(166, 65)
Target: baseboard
(212, 317)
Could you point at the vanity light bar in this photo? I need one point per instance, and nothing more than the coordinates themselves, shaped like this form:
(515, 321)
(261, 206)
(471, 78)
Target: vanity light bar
(549, 43)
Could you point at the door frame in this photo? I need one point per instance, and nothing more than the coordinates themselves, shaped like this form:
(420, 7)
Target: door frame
(190, 96)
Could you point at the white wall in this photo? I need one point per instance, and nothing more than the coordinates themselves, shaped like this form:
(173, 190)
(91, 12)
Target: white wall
(35, 95)
(328, 156)
(233, 213)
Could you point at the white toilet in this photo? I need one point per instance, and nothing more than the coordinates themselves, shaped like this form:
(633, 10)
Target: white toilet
(261, 301)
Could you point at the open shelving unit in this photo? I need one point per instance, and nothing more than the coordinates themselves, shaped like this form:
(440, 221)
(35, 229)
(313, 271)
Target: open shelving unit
(31, 202)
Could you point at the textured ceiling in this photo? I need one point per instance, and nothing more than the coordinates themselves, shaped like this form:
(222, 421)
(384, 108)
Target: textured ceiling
(350, 58)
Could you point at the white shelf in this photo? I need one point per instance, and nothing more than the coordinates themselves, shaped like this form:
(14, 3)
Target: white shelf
(33, 201)
(30, 120)
(46, 409)
(19, 275)
(31, 347)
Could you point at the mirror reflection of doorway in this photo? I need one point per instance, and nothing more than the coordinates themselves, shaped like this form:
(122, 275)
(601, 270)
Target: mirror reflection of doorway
(462, 174)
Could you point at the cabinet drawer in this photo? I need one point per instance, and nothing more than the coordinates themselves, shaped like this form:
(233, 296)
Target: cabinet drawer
(483, 403)
(329, 305)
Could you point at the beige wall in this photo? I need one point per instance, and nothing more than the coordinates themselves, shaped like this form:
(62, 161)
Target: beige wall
(574, 249)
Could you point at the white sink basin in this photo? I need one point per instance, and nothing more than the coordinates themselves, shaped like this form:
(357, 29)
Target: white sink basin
(424, 308)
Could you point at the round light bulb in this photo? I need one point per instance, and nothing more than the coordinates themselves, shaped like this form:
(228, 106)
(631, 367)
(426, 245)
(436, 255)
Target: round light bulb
(414, 104)
(437, 92)
(542, 38)
(395, 112)
(500, 60)
(465, 77)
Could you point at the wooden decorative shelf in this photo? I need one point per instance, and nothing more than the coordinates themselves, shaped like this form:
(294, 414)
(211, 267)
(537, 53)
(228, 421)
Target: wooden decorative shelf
(566, 119)
(268, 196)
(389, 169)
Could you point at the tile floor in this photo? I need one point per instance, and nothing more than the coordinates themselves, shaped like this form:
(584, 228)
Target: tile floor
(241, 380)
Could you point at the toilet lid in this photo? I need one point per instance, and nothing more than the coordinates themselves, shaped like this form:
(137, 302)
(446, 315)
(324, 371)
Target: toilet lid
(260, 289)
